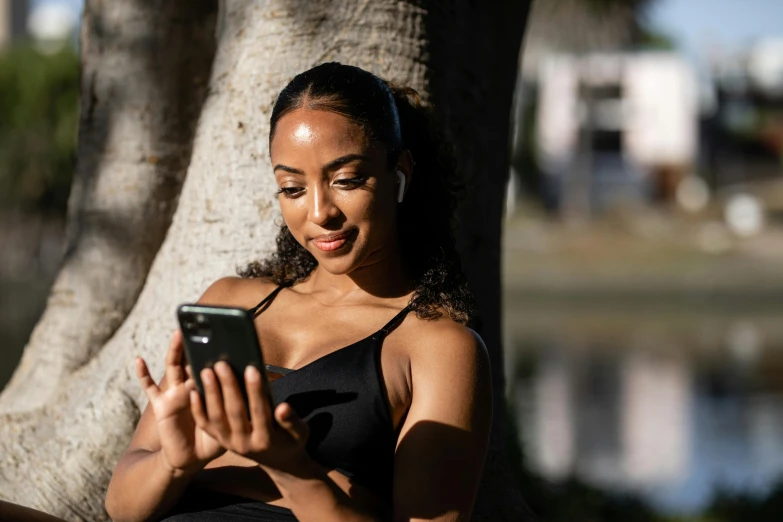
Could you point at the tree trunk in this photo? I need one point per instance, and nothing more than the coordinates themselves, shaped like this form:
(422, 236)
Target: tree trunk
(58, 458)
(145, 67)
(472, 82)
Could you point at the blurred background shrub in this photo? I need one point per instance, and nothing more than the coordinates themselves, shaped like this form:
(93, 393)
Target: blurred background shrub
(38, 124)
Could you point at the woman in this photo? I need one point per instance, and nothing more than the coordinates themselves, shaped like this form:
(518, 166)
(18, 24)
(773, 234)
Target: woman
(390, 425)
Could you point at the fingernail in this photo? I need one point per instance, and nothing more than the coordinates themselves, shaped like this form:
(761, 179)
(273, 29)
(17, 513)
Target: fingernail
(252, 374)
(206, 376)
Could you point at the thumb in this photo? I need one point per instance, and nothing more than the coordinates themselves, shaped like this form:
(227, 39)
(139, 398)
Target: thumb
(291, 422)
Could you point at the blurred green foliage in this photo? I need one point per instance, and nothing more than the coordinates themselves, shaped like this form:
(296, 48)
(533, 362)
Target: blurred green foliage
(743, 507)
(39, 112)
(653, 40)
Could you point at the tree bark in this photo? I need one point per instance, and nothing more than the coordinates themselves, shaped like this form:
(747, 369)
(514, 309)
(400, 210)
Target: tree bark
(145, 67)
(58, 458)
(471, 83)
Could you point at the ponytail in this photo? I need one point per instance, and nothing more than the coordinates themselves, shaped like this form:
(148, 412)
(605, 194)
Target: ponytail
(427, 222)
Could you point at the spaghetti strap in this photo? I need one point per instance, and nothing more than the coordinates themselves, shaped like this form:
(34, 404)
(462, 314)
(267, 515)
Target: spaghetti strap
(265, 302)
(395, 321)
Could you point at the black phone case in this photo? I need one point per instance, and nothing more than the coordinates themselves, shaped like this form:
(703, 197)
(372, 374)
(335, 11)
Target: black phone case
(216, 333)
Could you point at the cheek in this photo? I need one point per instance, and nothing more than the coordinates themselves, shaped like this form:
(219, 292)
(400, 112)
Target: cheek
(376, 216)
(294, 213)
(362, 207)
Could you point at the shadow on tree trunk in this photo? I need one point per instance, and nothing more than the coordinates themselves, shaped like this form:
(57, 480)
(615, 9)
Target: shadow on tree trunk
(471, 83)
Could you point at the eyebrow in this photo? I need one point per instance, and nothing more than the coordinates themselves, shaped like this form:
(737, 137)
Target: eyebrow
(343, 160)
(332, 165)
(286, 168)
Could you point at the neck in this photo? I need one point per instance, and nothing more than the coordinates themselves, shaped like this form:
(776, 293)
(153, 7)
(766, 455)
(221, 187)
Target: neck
(382, 275)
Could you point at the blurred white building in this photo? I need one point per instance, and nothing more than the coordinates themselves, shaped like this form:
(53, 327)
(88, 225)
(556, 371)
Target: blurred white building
(616, 126)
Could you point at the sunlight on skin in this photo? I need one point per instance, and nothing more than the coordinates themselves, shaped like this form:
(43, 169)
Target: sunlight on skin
(307, 141)
(303, 133)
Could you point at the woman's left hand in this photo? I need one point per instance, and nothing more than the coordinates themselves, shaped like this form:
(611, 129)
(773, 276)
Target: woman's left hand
(279, 445)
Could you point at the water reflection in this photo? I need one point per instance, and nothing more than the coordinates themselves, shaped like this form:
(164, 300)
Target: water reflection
(674, 407)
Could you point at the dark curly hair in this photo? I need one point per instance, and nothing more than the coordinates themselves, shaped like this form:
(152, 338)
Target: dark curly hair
(397, 118)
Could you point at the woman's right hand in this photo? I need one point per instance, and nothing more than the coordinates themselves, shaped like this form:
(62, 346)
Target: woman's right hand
(184, 446)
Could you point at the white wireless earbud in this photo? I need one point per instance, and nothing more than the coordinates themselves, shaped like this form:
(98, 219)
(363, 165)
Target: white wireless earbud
(401, 191)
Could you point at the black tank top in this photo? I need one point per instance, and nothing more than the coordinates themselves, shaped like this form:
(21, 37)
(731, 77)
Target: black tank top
(342, 399)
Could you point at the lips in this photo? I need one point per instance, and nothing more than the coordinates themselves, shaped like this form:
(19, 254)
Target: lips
(331, 242)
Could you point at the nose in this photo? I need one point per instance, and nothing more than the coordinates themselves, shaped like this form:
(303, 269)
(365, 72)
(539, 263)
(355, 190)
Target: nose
(321, 206)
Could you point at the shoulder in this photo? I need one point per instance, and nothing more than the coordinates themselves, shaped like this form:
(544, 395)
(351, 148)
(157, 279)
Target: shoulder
(443, 338)
(443, 347)
(450, 375)
(237, 291)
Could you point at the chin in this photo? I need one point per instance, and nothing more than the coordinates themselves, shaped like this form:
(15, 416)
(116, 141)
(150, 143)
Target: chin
(337, 263)
(337, 266)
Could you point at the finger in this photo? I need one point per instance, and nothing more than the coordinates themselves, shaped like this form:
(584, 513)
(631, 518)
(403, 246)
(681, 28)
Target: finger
(258, 404)
(197, 410)
(189, 371)
(147, 382)
(214, 401)
(233, 401)
(291, 422)
(174, 372)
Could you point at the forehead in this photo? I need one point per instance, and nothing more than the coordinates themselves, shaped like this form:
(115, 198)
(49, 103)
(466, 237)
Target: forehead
(316, 129)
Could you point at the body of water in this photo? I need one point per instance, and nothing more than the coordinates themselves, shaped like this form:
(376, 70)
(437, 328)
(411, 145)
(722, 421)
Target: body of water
(668, 403)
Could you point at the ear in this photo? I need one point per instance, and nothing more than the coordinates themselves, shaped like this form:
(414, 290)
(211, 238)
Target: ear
(404, 170)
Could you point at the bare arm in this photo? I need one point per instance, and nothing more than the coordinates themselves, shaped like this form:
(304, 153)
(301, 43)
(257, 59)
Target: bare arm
(145, 485)
(442, 445)
(314, 496)
(142, 488)
(147, 482)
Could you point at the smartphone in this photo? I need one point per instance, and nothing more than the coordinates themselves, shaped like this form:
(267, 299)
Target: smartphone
(219, 333)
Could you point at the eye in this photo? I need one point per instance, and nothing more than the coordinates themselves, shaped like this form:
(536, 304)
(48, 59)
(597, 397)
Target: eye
(351, 183)
(290, 192)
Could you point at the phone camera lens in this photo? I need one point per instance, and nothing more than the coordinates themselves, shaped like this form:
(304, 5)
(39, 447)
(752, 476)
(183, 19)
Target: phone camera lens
(200, 319)
(187, 322)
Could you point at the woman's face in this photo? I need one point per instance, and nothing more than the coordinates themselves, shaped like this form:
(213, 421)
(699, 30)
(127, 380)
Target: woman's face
(337, 191)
